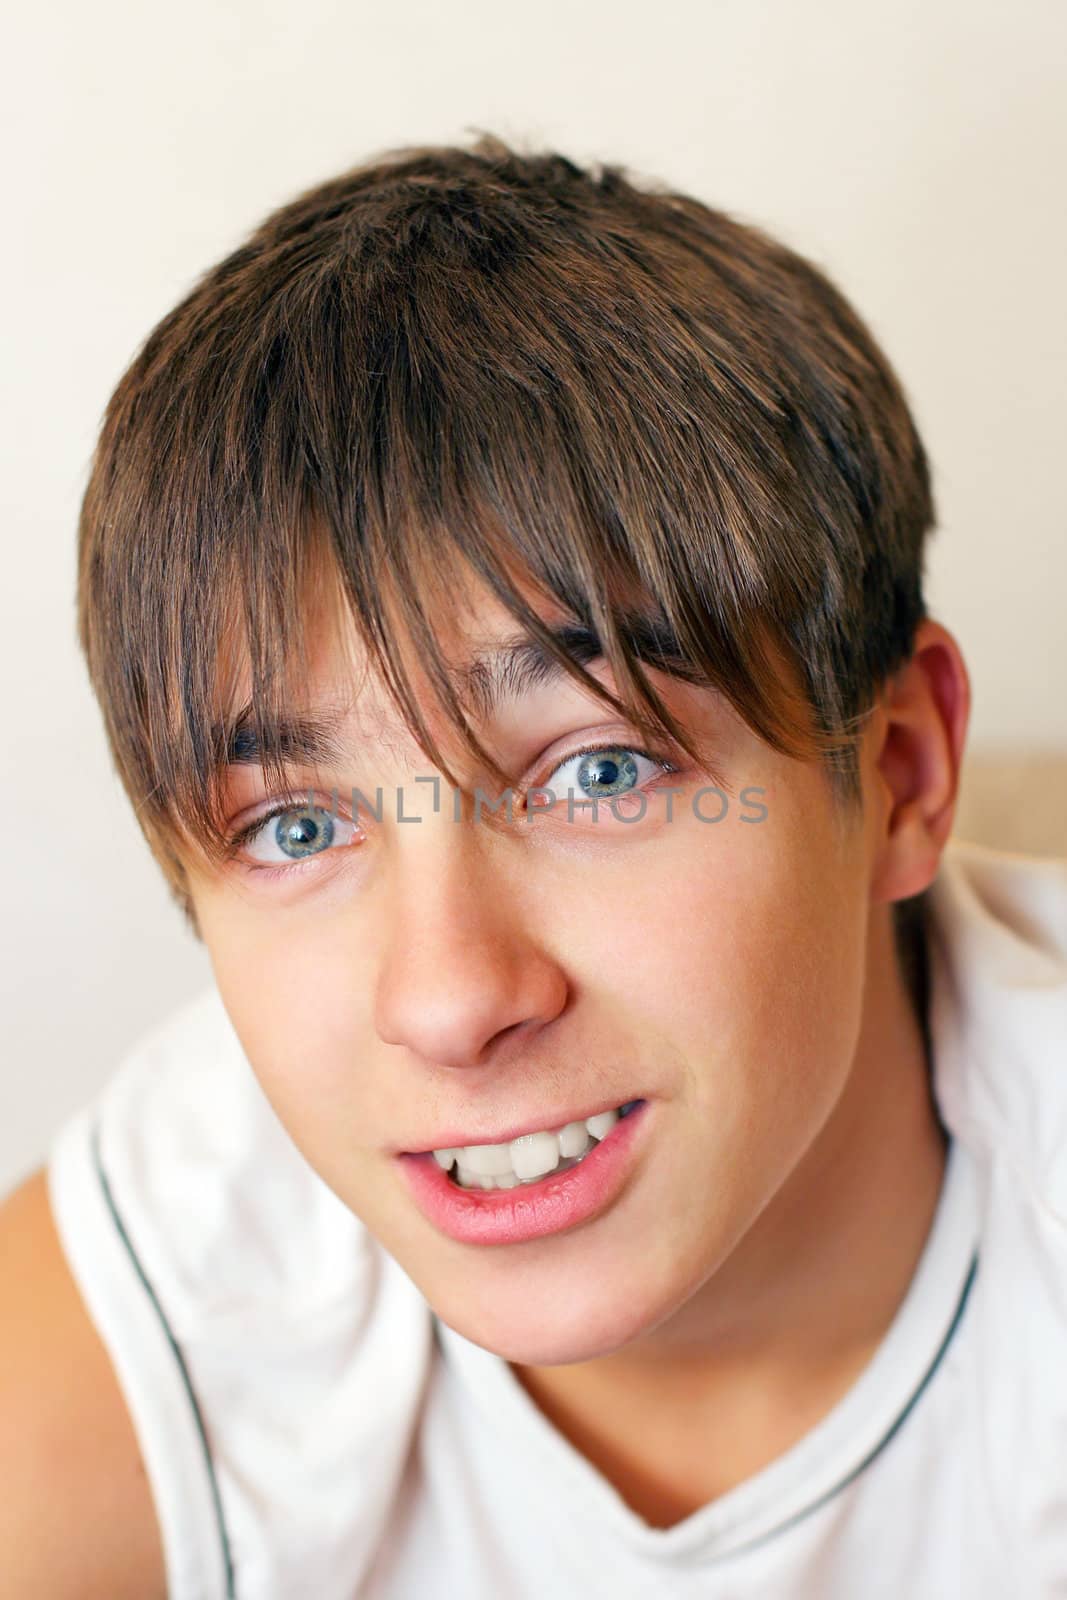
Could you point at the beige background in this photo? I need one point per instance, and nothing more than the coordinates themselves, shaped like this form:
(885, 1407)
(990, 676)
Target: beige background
(914, 149)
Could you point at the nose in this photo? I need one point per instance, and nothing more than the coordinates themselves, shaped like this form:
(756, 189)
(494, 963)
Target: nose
(460, 967)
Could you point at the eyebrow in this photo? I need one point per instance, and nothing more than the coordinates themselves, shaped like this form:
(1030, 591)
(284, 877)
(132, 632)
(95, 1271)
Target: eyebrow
(506, 671)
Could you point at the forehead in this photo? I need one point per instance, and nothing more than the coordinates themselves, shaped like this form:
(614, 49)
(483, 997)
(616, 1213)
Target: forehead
(491, 662)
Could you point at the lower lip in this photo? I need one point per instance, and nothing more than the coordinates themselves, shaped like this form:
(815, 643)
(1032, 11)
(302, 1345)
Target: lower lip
(553, 1204)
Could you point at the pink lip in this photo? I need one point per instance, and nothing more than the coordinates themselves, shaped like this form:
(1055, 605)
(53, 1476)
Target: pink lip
(555, 1203)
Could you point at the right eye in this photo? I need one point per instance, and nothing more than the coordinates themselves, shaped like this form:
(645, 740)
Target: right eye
(292, 833)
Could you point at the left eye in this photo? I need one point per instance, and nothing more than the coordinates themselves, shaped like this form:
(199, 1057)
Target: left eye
(606, 773)
(295, 833)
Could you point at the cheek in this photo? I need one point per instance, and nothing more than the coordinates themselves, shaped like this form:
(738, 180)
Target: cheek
(740, 965)
(291, 996)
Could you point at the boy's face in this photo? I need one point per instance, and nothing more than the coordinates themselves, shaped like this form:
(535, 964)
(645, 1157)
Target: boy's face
(436, 983)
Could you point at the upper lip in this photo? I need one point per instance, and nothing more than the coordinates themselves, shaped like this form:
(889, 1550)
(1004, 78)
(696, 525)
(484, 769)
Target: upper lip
(532, 1124)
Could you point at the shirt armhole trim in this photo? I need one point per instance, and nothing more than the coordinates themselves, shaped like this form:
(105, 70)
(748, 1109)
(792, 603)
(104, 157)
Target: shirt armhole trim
(183, 1370)
(150, 1368)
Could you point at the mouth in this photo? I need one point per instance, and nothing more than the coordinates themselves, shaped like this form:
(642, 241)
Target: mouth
(529, 1157)
(565, 1192)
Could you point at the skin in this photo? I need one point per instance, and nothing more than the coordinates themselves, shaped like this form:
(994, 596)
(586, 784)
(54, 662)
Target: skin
(741, 978)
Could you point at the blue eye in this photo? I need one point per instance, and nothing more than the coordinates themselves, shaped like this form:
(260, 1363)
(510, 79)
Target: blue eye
(292, 833)
(605, 772)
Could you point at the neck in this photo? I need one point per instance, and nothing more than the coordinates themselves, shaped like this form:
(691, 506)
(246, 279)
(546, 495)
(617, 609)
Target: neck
(783, 1329)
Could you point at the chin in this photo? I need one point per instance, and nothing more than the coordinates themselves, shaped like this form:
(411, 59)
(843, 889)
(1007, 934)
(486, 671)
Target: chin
(573, 1328)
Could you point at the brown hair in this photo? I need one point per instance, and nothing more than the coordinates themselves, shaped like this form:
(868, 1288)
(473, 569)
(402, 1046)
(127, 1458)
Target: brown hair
(480, 358)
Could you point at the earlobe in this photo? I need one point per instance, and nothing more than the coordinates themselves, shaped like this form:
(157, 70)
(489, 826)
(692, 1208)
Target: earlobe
(920, 735)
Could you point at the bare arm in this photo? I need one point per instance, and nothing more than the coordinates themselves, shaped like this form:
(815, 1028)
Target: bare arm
(77, 1519)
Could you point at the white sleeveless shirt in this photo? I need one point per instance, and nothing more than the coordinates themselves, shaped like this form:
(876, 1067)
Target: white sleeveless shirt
(310, 1429)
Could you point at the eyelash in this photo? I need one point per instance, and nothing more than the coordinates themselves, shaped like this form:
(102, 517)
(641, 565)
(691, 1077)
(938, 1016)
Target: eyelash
(236, 841)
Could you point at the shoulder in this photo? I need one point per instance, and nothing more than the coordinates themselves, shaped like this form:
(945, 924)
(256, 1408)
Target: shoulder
(272, 1354)
(997, 935)
(1017, 901)
(222, 1210)
(69, 1456)
(997, 940)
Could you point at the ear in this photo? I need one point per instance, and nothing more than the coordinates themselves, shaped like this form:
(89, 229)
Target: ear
(916, 749)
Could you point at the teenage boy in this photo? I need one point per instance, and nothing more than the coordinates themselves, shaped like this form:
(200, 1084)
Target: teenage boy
(623, 1152)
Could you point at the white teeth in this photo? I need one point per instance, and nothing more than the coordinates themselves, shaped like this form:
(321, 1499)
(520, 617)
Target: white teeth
(574, 1139)
(602, 1123)
(487, 1160)
(534, 1154)
(527, 1158)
